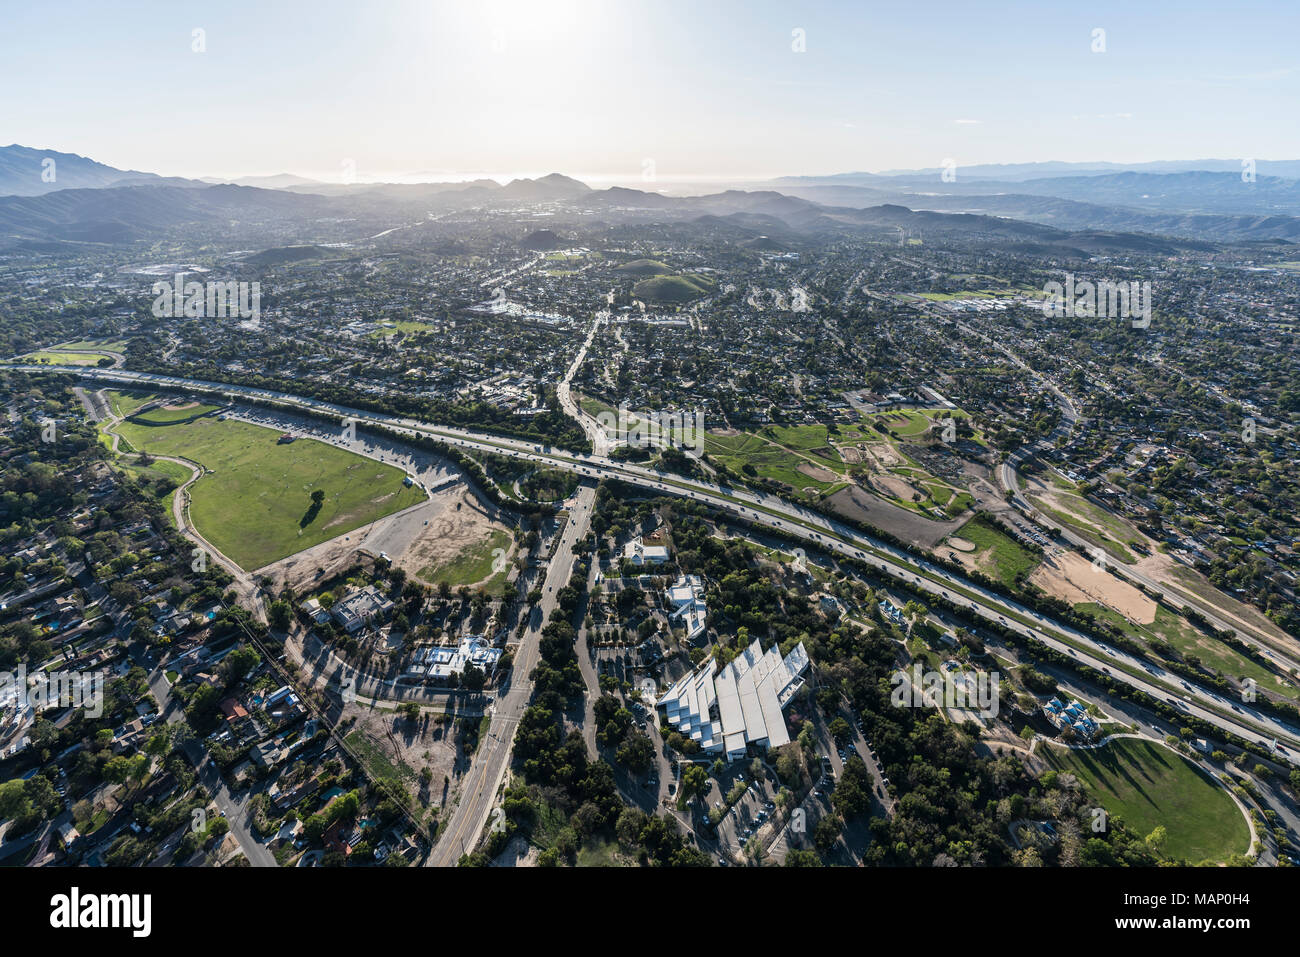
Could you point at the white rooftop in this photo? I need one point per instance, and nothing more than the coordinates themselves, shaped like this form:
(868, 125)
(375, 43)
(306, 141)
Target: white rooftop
(741, 704)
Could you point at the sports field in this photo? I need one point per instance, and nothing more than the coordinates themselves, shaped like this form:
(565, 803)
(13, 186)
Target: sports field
(254, 505)
(1146, 785)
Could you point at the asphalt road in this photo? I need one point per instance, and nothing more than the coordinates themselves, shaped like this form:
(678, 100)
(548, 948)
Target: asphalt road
(478, 791)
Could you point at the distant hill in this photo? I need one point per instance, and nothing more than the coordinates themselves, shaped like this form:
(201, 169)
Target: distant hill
(552, 187)
(1085, 215)
(277, 181)
(672, 289)
(133, 213)
(643, 267)
(1024, 172)
(23, 172)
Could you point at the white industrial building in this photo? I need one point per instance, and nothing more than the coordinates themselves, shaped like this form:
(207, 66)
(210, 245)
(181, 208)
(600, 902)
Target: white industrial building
(741, 705)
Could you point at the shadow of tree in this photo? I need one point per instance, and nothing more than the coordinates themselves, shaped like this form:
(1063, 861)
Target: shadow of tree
(310, 515)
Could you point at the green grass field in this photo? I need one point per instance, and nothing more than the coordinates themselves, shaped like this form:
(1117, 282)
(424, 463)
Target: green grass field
(256, 506)
(1010, 559)
(1146, 784)
(92, 345)
(408, 327)
(65, 358)
(124, 403)
(472, 565)
(769, 461)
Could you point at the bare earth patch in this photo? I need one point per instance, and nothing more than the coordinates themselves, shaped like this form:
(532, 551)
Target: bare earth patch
(960, 544)
(1071, 577)
(817, 472)
(392, 535)
(408, 747)
(884, 454)
(893, 486)
(863, 506)
(447, 535)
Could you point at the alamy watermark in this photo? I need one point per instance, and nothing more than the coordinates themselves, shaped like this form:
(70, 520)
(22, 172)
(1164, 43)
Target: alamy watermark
(54, 689)
(681, 430)
(1084, 299)
(977, 691)
(211, 300)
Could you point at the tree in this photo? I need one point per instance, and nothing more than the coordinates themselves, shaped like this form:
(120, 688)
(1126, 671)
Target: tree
(117, 770)
(799, 857)
(827, 832)
(1157, 838)
(695, 783)
(280, 614)
(852, 794)
(318, 497)
(473, 678)
(636, 752)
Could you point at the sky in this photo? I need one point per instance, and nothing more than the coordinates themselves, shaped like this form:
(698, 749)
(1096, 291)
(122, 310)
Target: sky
(626, 90)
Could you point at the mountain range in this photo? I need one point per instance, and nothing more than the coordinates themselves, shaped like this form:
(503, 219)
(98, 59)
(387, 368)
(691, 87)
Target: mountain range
(1061, 208)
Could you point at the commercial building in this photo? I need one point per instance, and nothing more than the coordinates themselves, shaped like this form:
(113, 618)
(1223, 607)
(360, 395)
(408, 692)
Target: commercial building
(742, 704)
(439, 663)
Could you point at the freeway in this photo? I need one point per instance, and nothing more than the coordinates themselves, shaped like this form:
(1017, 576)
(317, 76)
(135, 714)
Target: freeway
(798, 522)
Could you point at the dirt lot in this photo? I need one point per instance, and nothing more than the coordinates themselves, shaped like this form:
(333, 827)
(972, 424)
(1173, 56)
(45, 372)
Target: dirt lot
(893, 486)
(398, 750)
(1071, 577)
(817, 472)
(855, 503)
(462, 524)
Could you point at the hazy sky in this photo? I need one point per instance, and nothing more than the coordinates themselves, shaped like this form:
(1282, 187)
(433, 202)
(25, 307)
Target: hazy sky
(598, 89)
